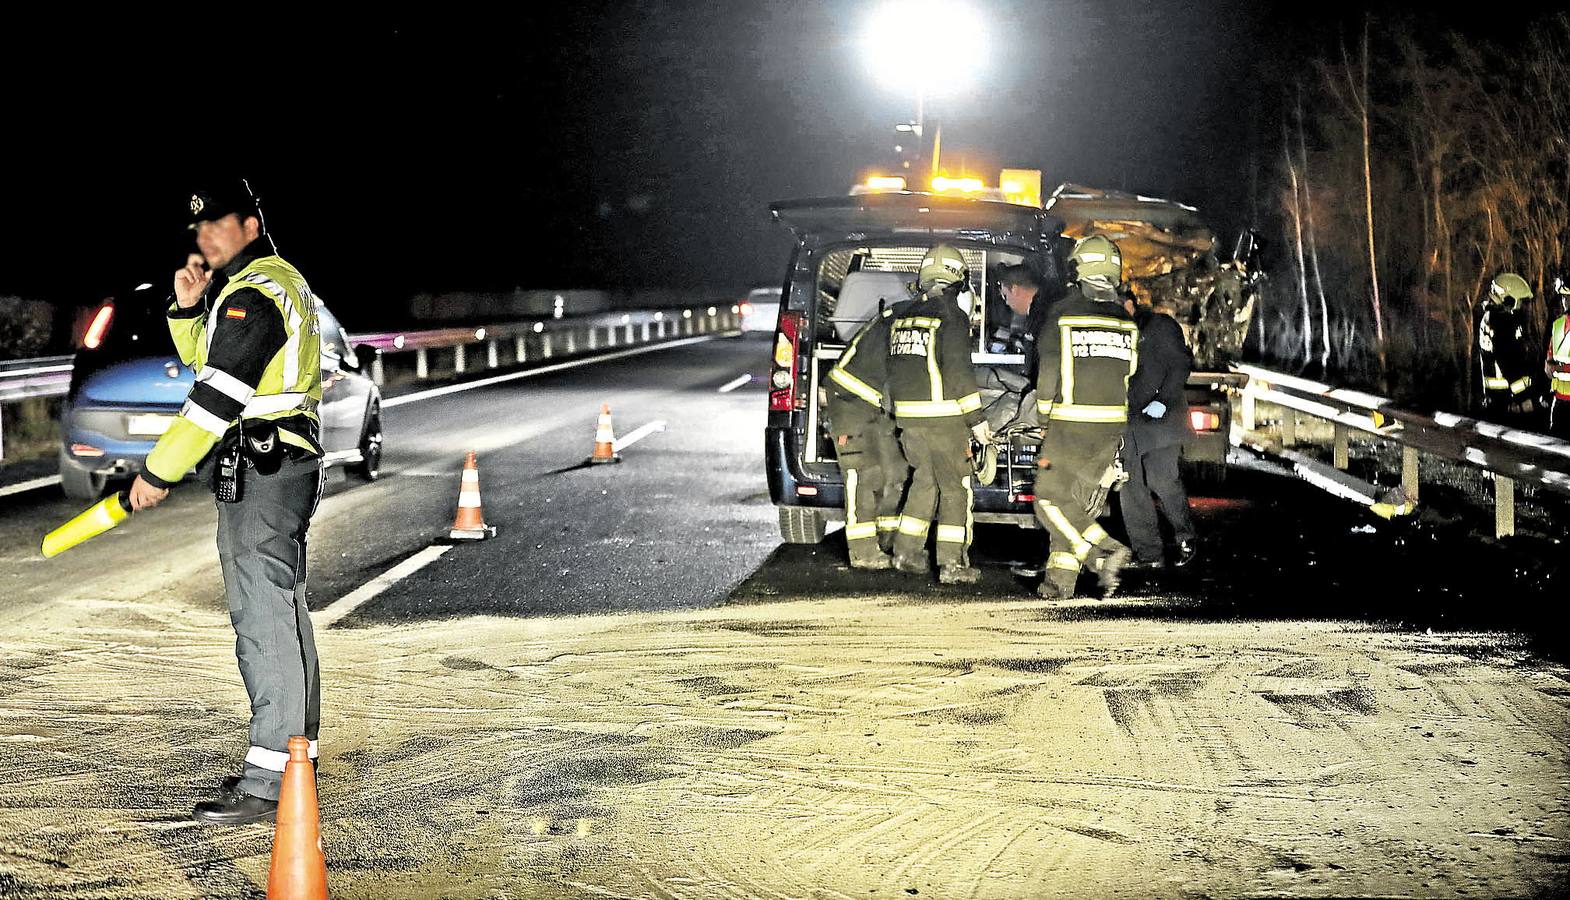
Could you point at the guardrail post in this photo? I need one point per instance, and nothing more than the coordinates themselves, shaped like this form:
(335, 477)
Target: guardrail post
(572, 346)
(545, 345)
(422, 364)
(458, 359)
(1341, 461)
(593, 342)
(1504, 506)
(520, 350)
(610, 335)
(1247, 410)
(629, 333)
(645, 332)
(1409, 472)
(490, 354)
(378, 375)
(1288, 426)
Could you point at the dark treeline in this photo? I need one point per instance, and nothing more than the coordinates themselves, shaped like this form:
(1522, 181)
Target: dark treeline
(1407, 173)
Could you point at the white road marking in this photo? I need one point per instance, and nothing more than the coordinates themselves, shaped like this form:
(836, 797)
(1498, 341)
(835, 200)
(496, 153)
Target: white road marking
(543, 370)
(325, 618)
(638, 435)
(29, 485)
(732, 385)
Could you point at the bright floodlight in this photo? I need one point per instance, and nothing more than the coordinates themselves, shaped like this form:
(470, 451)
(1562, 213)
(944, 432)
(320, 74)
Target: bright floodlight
(923, 46)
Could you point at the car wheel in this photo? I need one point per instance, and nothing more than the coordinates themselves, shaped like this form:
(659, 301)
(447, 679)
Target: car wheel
(369, 468)
(801, 526)
(78, 483)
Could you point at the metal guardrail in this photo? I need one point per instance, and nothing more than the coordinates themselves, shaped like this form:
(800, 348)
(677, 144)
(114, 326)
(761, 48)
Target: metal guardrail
(46, 376)
(507, 343)
(1509, 455)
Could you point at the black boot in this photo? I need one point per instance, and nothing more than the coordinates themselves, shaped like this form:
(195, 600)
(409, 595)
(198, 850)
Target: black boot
(235, 807)
(1187, 552)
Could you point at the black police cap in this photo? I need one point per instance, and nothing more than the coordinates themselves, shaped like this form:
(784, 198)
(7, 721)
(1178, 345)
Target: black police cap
(219, 199)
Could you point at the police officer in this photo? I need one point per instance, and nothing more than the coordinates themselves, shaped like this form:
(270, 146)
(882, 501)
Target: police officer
(937, 406)
(1157, 427)
(865, 444)
(1500, 350)
(1558, 365)
(246, 322)
(1089, 350)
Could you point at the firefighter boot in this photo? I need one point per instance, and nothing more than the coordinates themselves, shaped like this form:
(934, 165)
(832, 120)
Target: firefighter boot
(875, 560)
(958, 574)
(1109, 570)
(910, 565)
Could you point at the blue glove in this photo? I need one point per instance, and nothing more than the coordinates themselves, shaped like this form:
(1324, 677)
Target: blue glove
(1156, 409)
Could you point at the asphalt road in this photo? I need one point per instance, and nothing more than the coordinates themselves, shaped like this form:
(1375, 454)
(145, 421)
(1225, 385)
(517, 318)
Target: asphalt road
(685, 522)
(679, 522)
(635, 689)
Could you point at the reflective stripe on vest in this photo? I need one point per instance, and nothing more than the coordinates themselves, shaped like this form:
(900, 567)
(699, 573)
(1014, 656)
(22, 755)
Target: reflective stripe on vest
(1086, 412)
(936, 409)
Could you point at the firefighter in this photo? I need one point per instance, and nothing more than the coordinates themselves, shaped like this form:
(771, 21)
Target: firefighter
(1089, 350)
(937, 406)
(1501, 353)
(865, 444)
(245, 320)
(1558, 365)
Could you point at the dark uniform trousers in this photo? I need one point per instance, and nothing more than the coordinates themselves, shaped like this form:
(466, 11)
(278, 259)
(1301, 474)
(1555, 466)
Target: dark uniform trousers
(261, 546)
(1153, 476)
(937, 451)
(874, 469)
(1079, 453)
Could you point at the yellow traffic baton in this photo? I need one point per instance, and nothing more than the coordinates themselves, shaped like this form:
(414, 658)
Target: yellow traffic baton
(95, 520)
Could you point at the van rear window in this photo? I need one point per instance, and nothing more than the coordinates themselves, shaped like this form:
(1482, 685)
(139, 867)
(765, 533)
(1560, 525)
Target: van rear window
(854, 282)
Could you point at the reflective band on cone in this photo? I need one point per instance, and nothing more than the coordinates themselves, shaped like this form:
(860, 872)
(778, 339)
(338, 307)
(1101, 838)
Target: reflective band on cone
(469, 523)
(604, 439)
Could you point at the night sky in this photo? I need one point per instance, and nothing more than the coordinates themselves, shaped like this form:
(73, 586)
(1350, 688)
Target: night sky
(591, 145)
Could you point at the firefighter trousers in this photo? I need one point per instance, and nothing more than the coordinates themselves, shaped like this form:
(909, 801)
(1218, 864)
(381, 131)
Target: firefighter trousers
(938, 452)
(261, 547)
(1079, 453)
(1153, 476)
(870, 460)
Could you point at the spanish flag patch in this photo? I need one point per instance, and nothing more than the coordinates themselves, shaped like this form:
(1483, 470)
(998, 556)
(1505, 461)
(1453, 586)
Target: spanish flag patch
(234, 312)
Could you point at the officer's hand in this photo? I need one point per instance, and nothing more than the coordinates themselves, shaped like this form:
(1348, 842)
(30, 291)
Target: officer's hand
(191, 281)
(1043, 463)
(1155, 409)
(145, 496)
(982, 431)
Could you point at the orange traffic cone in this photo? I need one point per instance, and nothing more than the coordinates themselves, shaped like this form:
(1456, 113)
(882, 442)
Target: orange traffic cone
(299, 868)
(604, 439)
(469, 523)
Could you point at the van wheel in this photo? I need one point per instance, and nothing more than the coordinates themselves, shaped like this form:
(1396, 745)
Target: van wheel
(801, 526)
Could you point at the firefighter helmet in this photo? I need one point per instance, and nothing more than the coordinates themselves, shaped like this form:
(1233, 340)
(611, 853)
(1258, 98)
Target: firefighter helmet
(1097, 256)
(941, 267)
(1510, 290)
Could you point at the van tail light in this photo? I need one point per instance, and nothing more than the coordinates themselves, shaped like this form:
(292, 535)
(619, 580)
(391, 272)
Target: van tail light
(99, 327)
(746, 308)
(1204, 420)
(85, 450)
(782, 381)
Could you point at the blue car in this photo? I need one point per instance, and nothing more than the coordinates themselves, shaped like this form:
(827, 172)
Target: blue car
(128, 384)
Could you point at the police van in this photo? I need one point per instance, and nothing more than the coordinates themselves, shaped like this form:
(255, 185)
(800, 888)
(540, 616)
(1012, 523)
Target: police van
(855, 255)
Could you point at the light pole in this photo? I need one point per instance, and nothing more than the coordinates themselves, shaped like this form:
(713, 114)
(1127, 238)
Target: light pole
(898, 40)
